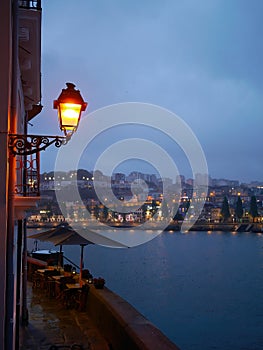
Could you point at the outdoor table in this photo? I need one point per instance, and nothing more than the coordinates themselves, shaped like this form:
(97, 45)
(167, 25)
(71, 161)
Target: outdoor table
(57, 277)
(44, 270)
(43, 279)
(71, 294)
(73, 285)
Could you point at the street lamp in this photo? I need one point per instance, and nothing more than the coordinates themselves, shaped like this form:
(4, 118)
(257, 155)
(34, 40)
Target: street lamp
(70, 105)
(23, 188)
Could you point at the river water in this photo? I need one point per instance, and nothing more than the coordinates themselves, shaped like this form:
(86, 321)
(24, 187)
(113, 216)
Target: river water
(203, 290)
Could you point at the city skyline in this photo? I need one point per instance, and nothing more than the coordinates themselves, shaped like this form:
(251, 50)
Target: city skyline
(200, 60)
(46, 175)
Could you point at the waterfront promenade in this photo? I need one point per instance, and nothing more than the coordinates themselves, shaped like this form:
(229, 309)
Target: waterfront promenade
(51, 324)
(107, 323)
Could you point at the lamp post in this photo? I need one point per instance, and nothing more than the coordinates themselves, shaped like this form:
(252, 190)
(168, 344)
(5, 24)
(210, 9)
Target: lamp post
(70, 105)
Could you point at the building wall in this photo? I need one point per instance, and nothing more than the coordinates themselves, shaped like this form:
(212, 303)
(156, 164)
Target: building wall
(12, 119)
(5, 97)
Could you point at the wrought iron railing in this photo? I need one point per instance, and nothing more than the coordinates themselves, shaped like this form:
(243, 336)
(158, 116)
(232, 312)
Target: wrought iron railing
(27, 175)
(30, 4)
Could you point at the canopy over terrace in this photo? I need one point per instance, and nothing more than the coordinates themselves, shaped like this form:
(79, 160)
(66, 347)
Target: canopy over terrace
(63, 234)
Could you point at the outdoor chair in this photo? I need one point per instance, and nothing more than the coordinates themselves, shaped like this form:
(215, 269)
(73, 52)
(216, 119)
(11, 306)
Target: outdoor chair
(36, 280)
(64, 293)
(81, 298)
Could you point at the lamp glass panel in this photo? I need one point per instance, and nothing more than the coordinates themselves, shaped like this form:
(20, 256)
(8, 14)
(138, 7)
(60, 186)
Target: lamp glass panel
(69, 114)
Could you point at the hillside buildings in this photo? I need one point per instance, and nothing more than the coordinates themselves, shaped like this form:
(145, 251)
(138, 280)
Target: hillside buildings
(151, 191)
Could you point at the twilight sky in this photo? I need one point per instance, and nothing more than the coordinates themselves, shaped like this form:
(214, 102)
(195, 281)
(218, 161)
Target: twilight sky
(200, 59)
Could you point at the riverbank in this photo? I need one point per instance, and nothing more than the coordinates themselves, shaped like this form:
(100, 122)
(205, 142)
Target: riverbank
(204, 226)
(225, 227)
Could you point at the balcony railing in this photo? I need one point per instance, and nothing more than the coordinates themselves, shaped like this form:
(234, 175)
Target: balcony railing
(30, 4)
(27, 175)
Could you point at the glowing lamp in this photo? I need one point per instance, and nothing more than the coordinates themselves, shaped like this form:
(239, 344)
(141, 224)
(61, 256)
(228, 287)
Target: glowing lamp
(69, 104)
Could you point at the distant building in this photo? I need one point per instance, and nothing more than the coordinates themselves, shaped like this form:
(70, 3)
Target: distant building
(189, 182)
(216, 215)
(119, 177)
(180, 179)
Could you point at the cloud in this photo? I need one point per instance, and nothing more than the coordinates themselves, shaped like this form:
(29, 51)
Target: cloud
(202, 60)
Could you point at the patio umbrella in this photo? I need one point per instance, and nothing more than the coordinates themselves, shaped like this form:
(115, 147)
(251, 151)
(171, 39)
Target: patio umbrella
(64, 229)
(64, 235)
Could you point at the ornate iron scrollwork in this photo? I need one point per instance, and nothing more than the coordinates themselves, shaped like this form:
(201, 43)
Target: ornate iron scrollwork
(30, 144)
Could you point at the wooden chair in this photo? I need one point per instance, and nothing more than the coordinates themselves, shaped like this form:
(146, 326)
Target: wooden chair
(81, 298)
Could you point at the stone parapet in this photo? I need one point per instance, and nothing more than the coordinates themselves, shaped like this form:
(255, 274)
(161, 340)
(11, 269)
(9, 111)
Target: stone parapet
(122, 325)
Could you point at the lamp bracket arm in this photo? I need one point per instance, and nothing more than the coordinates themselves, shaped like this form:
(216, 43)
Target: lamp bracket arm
(31, 144)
